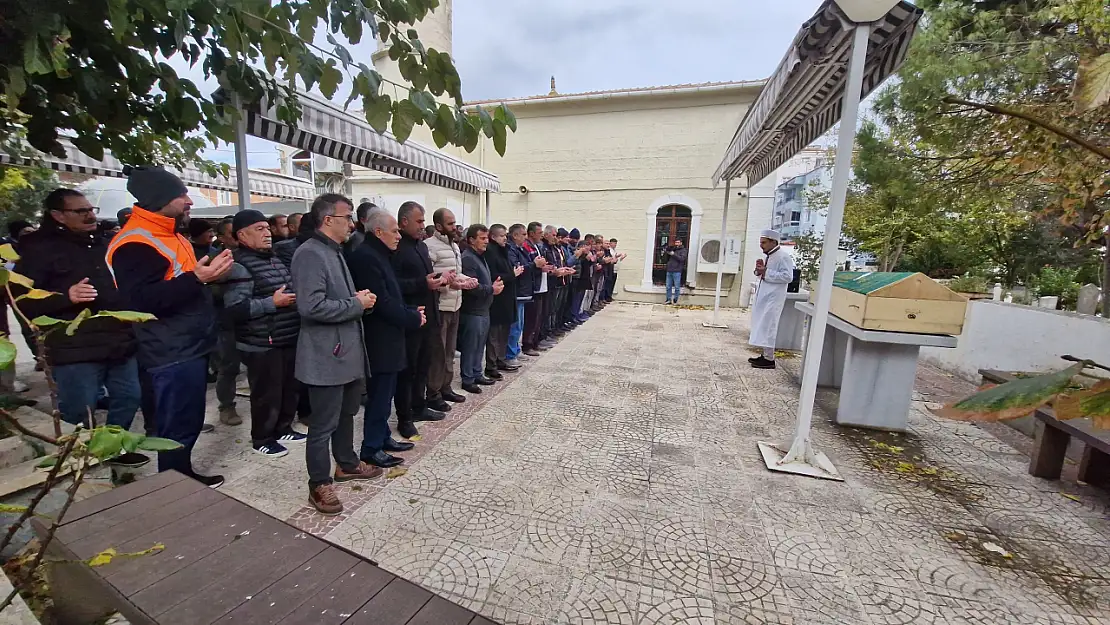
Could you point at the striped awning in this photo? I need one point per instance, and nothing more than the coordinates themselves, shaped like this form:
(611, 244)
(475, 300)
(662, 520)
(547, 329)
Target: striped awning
(261, 182)
(802, 99)
(328, 130)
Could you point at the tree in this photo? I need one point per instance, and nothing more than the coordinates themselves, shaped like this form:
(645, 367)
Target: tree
(807, 256)
(97, 70)
(888, 207)
(22, 191)
(1012, 96)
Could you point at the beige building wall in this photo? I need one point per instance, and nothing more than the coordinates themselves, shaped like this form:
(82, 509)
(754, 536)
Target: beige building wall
(605, 165)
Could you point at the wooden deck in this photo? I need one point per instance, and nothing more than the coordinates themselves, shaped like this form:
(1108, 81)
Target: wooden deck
(222, 562)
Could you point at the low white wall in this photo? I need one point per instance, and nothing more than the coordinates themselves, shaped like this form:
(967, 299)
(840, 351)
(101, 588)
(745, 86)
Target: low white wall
(1010, 337)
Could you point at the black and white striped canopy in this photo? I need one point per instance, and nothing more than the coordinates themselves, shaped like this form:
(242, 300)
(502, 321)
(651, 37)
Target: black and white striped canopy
(802, 99)
(261, 182)
(330, 131)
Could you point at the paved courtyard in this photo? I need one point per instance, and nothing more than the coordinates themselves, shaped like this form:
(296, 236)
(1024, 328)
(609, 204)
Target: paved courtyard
(616, 480)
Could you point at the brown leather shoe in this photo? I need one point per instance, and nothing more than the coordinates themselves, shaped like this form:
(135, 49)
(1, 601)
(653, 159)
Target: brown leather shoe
(363, 472)
(324, 499)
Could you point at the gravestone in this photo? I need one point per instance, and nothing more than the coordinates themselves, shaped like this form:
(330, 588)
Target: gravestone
(1088, 299)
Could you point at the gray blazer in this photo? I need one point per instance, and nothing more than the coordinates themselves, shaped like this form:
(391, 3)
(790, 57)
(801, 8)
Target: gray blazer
(330, 350)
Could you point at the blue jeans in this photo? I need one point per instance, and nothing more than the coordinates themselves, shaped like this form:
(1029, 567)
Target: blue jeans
(82, 383)
(179, 402)
(380, 388)
(515, 332)
(674, 281)
(473, 331)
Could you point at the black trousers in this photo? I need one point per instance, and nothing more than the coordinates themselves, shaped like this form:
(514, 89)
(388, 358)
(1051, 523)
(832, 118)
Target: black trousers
(274, 392)
(412, 383)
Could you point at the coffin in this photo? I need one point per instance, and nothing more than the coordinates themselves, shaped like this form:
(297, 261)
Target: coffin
(897, 302)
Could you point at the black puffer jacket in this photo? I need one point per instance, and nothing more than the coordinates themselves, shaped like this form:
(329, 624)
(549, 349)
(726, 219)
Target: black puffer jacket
(249, 301)
(57, 258)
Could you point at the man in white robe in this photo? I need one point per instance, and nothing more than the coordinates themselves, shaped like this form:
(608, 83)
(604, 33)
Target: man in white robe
(775, 273)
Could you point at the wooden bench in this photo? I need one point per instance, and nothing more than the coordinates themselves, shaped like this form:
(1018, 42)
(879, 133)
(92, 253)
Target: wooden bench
(1050, 444)
(223, 562)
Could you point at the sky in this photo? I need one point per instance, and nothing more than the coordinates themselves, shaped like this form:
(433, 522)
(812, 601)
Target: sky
(511, 48)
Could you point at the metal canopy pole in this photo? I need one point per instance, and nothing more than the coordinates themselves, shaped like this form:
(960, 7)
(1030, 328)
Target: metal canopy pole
(801, 458)
(241, 172)
(716, 323)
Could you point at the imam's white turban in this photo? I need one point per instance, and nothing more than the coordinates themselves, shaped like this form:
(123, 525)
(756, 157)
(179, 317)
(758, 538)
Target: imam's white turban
(774, 235)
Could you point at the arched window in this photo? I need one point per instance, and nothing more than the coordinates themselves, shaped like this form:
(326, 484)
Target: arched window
(672, 222)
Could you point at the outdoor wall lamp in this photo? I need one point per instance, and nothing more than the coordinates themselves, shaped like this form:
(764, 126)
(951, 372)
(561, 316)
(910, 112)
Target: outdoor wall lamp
(523, 190)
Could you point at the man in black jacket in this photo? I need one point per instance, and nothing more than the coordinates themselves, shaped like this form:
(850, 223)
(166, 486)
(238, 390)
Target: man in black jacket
(474, 314)
(386, 328)
(420, 286)
(502, 313)
(259, 301)
(67, 256)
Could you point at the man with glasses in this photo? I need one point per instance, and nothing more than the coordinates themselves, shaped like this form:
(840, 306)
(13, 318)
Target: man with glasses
(66, 256)
(331, 351)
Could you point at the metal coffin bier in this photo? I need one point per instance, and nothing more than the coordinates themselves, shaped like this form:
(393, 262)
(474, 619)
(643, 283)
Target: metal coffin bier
(897, 302)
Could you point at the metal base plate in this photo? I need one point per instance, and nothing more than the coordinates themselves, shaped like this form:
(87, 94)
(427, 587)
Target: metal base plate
(772, 455)
(708, 324)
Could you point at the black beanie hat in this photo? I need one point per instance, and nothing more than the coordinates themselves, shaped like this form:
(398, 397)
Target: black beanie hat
(562, 233)
(245, 218)
(198, 227)
(153, 187)
(575, 234)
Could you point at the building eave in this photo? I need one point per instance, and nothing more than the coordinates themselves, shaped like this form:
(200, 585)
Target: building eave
(714, 89)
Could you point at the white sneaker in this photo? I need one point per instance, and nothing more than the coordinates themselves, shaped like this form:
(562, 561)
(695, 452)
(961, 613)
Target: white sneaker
(20, 387)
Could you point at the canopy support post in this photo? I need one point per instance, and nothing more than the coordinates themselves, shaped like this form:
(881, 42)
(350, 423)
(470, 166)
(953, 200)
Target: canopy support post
(716, 323)
(242, 174)
(487, 209)
(801, 457)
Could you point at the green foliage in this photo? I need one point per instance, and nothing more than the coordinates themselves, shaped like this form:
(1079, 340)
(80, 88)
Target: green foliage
(7, 352)
(1011, 400)
(1058, 281)
(968, 283)
(96, 71)
(22, 191)
(107, 442)
(807, 256)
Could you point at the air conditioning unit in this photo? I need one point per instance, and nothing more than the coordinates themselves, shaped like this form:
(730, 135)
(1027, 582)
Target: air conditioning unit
(326, 165)
(710, 254)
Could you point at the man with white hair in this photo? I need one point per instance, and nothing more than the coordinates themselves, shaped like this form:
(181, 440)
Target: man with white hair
(775, 273)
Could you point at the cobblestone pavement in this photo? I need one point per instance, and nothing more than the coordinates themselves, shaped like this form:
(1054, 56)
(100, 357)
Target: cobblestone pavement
(616, 480)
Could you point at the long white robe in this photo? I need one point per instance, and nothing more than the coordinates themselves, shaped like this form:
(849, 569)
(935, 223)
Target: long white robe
(770, 297)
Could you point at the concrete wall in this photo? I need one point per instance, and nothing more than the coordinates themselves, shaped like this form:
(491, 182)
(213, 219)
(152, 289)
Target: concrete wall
(1010, 337)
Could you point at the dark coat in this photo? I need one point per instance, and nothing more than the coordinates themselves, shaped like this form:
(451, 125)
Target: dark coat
(57, 258)
(476, 301)
(524, 283)
(503, 310)
(413, 264)
(389, 319)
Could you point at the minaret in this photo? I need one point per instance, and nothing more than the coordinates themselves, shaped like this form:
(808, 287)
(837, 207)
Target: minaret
(435, 32)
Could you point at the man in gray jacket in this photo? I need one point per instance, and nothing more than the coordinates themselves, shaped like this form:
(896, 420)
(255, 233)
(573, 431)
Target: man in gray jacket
(331, 352)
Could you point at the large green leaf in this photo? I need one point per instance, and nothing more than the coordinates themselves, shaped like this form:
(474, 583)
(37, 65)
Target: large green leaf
(45, 322)
(405, 116)
(36, 294)
(1093, 402)
(7, 352)
(81, 317)
(105, 443)
(129, 316)
(499, 136)
(378, 112)
(1092, 82)
(131, 441)
(1011, 400)
(20, 279)
(153, 443)
(7, 252)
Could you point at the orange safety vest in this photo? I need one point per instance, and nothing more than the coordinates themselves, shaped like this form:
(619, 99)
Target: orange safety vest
(159, 232)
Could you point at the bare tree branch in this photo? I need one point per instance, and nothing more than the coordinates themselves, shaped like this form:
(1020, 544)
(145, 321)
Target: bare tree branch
(1049, 126)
